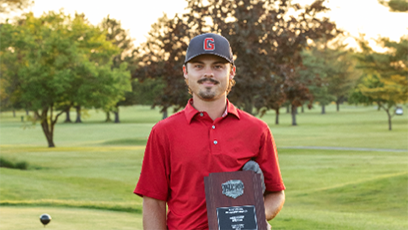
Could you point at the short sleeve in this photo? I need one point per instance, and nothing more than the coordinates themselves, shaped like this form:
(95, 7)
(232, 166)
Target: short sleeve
(154, 177)
(268, 162)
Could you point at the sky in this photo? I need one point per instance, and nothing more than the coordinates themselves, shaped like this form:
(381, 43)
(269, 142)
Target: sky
(137, 16)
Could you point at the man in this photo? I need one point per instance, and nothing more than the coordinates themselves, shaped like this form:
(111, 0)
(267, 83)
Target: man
(209, 135)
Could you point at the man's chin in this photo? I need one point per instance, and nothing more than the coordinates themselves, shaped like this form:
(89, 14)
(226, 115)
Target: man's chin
(207, 96)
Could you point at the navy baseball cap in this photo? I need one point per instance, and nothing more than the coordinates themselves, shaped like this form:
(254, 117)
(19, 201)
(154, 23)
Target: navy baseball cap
(209, 43)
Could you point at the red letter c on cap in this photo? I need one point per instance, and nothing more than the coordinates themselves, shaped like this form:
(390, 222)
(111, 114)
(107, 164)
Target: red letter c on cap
(209, 44)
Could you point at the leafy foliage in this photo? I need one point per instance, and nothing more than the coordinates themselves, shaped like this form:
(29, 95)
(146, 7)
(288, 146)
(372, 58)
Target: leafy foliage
(265, 39)
(121, 39)
(54, 62)
(267, 42)
(162, 59)
(385, 81)
(7, 6)
(335, 68)
(395, 5)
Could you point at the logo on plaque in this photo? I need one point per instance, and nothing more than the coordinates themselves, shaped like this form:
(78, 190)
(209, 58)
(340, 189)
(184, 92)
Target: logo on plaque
(233, 188)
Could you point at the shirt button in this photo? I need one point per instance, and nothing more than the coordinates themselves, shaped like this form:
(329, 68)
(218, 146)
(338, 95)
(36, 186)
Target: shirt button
(213, 127)
(201, 114)
(215, 142)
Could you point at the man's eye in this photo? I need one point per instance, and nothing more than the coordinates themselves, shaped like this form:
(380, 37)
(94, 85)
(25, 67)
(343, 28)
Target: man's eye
(218, 66)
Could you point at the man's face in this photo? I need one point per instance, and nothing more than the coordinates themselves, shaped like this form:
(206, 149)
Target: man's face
(208, 76)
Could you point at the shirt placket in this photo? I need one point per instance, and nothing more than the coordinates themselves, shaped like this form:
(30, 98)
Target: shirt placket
(215, 137)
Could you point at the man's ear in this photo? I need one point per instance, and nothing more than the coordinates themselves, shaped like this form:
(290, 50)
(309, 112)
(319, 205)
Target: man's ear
(185, 71)
(232, 72)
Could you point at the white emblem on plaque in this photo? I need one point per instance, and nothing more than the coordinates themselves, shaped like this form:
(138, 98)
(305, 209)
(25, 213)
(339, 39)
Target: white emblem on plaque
(233, 188)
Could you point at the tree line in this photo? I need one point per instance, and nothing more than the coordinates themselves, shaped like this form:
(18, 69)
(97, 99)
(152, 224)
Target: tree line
(287, 55)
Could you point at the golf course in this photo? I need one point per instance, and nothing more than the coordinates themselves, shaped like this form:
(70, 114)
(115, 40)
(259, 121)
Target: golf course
(342, 170)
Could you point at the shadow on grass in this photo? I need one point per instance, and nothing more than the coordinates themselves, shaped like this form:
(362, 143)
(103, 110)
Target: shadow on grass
(127, 141)
(13, 164)
(20, 165)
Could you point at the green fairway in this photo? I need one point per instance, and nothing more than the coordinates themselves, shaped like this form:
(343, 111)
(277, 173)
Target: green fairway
(67, 219)
(87, 181)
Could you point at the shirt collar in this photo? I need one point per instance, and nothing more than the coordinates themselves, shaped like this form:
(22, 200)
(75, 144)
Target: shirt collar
(190, 111)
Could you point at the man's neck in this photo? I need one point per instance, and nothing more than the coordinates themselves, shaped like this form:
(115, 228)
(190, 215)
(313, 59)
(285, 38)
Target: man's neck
(214, 109)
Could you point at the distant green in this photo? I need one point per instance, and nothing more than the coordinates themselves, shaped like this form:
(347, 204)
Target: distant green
(87, 181)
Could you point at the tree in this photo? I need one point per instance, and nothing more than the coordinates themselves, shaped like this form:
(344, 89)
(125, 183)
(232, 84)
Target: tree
(271, 96)
(7, 6)
(121, 39)
(163, 58)
(145, 93)
(395, 5)
(386, 92)
(385, 81)
(62, 61)
(334, 66)
(4, 97)
(265, 39)
(267, 42)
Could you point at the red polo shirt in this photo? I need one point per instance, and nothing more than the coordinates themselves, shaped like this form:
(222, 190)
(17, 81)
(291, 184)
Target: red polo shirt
(188, 146)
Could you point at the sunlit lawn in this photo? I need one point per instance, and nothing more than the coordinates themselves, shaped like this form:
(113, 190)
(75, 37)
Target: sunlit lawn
(87, 181)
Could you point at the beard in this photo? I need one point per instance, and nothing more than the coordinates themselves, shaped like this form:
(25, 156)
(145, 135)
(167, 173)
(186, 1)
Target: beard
(207, 93)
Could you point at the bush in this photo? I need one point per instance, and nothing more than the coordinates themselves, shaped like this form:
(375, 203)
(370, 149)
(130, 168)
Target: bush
(6, 163)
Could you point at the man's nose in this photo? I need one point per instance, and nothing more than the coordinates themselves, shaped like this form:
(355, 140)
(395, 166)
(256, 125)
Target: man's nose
(209, 72)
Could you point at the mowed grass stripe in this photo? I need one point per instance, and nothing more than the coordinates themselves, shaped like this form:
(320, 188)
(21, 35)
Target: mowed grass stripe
(306, 218)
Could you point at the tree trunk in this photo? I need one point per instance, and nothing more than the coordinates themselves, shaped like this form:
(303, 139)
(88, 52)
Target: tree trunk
(68, 118)
(288, 109)
(27, 112)
(294, 109)
(337, 106)
(303, 109)
(323, 109)
(389, 119)
(14, 113)
(108, 119)
(47, 125)
(165, 115)
(116, 116)
(78, 110)
(49, 135)
(277, 116)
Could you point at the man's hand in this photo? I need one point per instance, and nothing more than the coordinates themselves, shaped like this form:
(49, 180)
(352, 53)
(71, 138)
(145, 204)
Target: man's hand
(253, 166)
(273, 201)
(269, 227)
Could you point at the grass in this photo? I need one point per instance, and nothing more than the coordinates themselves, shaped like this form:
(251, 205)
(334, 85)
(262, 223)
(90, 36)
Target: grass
(66, 218)
(88, 180)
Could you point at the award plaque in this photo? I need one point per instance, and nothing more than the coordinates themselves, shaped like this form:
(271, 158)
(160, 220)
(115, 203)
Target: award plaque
(234, 201)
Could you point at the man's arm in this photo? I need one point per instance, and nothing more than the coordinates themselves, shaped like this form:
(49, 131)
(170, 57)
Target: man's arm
(154, 214)
(273, 203)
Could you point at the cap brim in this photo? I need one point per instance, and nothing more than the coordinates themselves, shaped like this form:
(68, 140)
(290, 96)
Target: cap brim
(211, 53)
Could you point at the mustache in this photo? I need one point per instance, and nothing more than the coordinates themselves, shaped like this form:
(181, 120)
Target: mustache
(208, 79)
